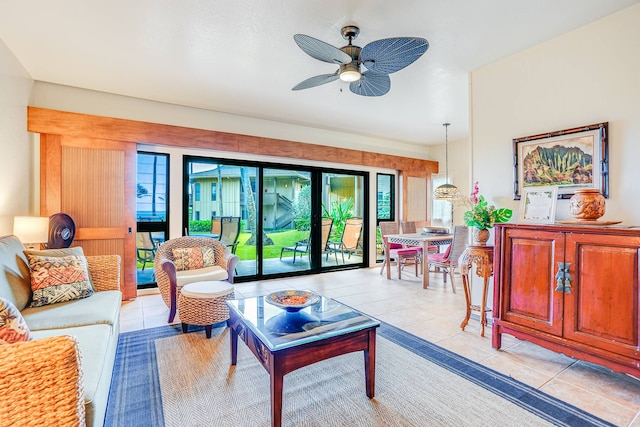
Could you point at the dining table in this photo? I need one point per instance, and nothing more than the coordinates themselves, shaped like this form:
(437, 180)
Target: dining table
(423, 240)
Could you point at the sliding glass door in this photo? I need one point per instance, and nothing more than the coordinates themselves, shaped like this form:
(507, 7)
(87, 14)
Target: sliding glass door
(293, 220)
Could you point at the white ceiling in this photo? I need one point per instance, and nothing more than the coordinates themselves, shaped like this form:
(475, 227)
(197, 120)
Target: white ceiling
(238, 56)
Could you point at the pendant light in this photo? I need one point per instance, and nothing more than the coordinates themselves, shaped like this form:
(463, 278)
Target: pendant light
(446, 191)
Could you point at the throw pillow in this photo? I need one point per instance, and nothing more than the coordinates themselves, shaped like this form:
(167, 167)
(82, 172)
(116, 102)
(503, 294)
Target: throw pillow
(194, 258)
(58, 279)
(12, 325)
(59, 253)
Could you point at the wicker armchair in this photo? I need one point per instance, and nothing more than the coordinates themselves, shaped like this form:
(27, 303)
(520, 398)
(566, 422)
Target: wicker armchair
(167, 275)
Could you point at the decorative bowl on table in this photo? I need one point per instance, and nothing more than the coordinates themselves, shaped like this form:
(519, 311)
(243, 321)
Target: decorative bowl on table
(292, 300)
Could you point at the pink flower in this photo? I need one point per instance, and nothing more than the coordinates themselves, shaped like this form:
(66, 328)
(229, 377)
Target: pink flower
(474, 194)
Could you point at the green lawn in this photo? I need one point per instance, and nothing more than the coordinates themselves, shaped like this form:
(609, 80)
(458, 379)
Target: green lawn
(280, 239)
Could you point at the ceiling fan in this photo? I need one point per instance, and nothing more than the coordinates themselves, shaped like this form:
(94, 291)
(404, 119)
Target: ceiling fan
(380, 58)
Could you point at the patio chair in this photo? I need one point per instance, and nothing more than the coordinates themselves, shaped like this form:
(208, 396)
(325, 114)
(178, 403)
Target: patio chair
(446, 262)
(304, 246)
(172, 274)
(145, 248)
(230, 231)
(398, 252)
(216, 226)
(301, 247)
(349, 241)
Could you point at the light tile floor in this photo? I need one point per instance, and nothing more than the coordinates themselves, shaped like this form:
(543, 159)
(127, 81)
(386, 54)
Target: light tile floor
(435, 315)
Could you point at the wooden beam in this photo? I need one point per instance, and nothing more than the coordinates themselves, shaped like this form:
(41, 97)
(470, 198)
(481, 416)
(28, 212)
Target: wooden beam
(54, 122)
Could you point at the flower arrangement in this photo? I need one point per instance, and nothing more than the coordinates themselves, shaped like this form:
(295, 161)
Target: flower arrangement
(482, 215)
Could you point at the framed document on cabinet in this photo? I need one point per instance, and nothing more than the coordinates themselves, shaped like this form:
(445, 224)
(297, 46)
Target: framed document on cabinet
(538, 205)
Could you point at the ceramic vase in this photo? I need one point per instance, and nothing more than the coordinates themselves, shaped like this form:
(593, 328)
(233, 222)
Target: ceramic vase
(480, 236)
(587, 204)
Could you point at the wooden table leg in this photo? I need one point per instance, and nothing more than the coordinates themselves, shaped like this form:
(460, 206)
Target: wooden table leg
(233, 336)
(467, 297)
(276, 379)
(387, 258)
(425, 265)
(370, 365)
(483, 305)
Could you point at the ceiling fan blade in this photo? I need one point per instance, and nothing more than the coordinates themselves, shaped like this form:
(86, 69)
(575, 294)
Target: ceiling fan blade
(371, 84)
(316, 81)
(321, 50)
(387, 56)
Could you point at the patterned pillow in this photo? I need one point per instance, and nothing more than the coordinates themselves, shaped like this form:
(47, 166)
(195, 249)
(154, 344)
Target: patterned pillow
(12, 326)
(194, 258)
(58, 279)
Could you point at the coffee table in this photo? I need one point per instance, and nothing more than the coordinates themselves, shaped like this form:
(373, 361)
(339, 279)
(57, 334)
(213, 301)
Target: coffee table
(285, 341)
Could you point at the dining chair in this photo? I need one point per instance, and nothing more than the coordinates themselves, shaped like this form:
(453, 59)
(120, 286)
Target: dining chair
(409, 227)
(446, 262)
(397, 252)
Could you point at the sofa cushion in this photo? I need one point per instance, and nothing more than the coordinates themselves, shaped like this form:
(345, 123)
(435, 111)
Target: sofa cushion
(13, 328)
(201, 274)
(101, 307)
(97, 349)
(58, 279)
(194, 258)
(15, 282)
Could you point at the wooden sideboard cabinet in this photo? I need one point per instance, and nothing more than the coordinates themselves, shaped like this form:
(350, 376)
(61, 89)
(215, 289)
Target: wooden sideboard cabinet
(572, 289)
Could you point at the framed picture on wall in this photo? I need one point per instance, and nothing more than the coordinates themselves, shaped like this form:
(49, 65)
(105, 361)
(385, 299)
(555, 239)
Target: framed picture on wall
(568, 159)
(538, 205)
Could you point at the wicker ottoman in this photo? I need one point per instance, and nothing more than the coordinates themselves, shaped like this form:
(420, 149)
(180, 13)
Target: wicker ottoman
(203, 303)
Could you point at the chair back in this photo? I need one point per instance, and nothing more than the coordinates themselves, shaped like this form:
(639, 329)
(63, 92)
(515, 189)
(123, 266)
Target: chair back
(327, 223)
(230, 231)
(216, 225)
(408, 227)
(459, 243)
(386, 228)
(144, 241)
(351, 233)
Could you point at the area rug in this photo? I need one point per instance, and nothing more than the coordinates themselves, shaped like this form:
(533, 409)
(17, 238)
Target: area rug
(165, 378)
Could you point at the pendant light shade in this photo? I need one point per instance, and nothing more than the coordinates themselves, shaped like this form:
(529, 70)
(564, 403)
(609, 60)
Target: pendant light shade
(446, 191)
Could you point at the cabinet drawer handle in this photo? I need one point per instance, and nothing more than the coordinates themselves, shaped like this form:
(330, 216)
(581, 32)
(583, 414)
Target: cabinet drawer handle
(563, 278)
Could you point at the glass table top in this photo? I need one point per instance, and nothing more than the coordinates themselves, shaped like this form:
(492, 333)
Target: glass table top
(279, 329)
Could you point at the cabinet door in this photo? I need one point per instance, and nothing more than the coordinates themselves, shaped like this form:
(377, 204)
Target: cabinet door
(530, 264)
(602, 308)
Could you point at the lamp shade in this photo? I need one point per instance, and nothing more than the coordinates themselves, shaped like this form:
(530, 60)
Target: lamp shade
(31, 229)
(446, 192)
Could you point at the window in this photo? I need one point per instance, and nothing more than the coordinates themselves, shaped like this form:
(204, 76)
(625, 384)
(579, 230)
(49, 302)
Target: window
(214, 192)
(385, 197)
(197, 191)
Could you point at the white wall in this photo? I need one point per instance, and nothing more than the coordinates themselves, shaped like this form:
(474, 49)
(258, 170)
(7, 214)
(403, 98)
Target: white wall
(587, 76)
(17, 174)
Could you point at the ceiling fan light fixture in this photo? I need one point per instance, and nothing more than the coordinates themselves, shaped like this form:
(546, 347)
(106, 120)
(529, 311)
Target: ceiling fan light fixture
(350, 72)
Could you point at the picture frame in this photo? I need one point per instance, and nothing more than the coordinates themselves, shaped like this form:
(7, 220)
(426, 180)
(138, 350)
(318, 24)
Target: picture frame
(568, 159)
(538, 205)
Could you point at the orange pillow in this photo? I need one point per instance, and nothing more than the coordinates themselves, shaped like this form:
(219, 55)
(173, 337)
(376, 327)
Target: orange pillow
(12, 325)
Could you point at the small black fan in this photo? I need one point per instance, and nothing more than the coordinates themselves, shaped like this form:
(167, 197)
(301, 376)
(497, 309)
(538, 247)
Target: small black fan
(62, 231)
(380, 58)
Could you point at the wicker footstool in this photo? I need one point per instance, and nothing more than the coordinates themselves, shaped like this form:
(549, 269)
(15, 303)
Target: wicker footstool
(203, 303)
